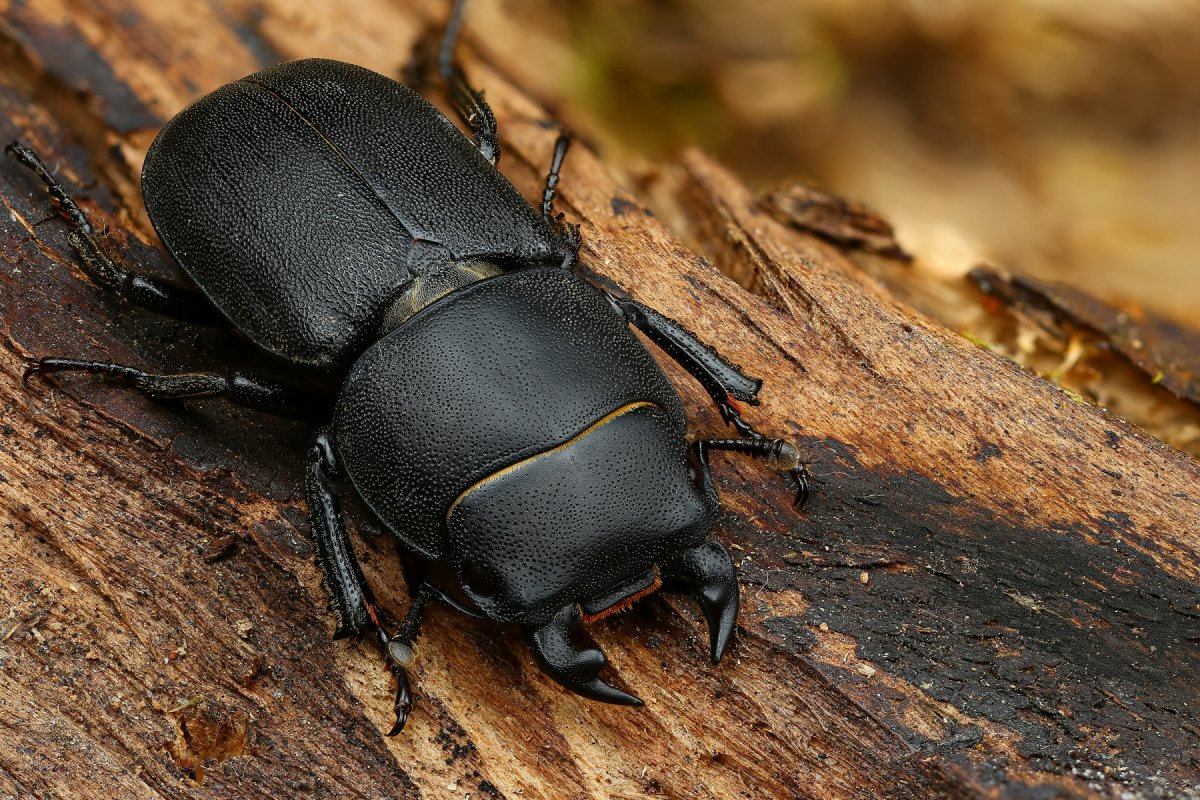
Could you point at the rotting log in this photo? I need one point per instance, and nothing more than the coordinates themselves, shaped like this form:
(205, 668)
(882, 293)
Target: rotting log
(993, 592)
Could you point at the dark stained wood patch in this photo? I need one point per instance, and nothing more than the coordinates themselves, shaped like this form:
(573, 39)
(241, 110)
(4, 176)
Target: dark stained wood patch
(1072, 639)
(72, 62)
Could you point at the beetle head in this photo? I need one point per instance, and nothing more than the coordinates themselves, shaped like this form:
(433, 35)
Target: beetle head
(527, 574)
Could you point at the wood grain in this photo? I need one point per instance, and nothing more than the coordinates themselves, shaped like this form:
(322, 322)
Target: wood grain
(993, 592)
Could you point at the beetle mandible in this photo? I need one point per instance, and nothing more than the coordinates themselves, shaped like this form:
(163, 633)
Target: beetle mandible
(495, 411)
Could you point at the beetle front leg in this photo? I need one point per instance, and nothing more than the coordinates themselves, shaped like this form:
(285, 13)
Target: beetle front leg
(401, 651)
(725, 384)
(351, 600)
(179, 302)
(780, 455)
(352, 603)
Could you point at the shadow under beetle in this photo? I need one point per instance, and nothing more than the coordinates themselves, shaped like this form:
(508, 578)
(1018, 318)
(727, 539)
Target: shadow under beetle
(495, 411)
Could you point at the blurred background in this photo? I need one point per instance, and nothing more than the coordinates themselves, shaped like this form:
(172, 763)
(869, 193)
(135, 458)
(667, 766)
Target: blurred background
(1060, 138)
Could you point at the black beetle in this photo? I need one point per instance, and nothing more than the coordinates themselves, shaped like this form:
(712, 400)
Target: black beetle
(495, 411)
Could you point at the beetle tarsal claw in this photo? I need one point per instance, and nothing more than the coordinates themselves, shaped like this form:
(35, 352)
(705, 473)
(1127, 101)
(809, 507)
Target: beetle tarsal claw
(403, 703)
(782, 455)
(400, 654)
(32, 367)
(800, 477)
(707, 572)
(577, 670)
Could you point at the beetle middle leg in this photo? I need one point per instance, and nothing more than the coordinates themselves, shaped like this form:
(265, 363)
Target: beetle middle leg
(473, 109)
(239, 388)
(567, 232)
(188, 305)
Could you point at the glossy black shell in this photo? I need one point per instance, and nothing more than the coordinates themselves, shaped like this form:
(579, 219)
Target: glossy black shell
(518, 430)
(303, 198)
(515, 428)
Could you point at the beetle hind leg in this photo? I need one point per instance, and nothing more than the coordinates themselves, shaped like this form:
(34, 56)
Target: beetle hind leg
(707, 572)
(187, 305)
(473, 109)
(577, 670)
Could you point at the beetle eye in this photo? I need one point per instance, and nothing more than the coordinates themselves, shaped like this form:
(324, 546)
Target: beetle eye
(478, 581)
(695, 474)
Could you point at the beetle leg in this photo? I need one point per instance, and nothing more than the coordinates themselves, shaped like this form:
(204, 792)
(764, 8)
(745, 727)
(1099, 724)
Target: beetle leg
(352, 603)
(569, 236)
(577, 670)
(568, 232)
(724, 382)
(473, 109)
(179, 302)
(707, 571)
(401, 649)
(780, 455)
(239, 388)
(468, 101)
(561, 145)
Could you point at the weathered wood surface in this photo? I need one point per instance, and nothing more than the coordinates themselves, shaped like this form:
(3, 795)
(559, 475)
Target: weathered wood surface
(993, 592)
